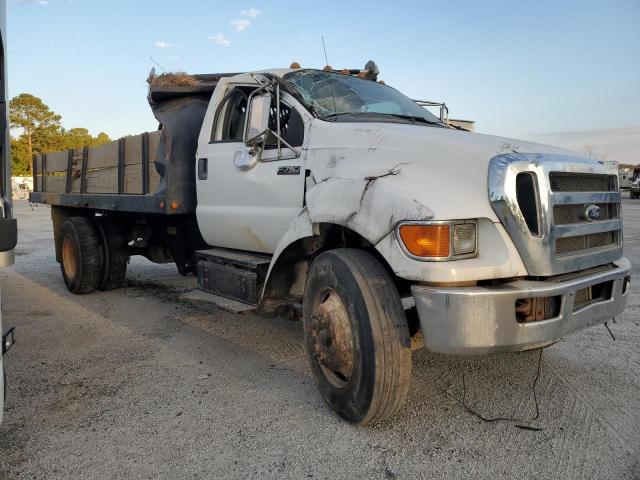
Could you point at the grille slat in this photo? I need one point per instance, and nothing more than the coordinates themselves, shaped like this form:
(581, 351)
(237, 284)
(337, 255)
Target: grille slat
(566, 214)
(581, 182)
(581, 243)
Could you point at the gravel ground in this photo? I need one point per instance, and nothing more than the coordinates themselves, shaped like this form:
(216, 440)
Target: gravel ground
(137, 383)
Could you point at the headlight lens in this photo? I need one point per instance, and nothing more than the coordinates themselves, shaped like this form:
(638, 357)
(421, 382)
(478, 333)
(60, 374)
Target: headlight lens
(448, 240)
(464, 239)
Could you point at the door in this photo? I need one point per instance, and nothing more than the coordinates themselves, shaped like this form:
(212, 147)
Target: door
(248, 209)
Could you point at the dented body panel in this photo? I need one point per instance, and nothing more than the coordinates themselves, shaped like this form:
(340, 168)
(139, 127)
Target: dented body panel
(369, 177)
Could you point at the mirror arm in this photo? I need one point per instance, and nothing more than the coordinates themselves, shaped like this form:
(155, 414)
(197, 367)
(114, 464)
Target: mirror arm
(293, 149)
(257, 139)
(278, 119)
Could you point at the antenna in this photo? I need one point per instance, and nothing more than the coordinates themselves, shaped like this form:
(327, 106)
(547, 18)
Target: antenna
(163, 69)
(326, 62)
(333, 94)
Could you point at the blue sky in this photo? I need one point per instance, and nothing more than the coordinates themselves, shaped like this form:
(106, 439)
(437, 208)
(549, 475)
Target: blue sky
(518, 68)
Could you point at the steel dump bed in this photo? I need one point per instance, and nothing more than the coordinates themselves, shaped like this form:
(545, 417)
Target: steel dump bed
(147, 173)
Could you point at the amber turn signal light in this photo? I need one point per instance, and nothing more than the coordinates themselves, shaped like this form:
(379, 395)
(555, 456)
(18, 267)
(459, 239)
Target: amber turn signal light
(426, 240)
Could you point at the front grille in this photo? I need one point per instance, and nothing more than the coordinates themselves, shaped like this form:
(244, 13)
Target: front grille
(566, 214)
(580, 243)
(582, 182)
(544, 209)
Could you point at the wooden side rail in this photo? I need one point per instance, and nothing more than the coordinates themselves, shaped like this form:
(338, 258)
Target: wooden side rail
(124, 166)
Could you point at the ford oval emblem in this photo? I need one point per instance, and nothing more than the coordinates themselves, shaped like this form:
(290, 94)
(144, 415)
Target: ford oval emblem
(592, 213)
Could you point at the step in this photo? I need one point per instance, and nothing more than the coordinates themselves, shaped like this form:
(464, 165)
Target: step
(232, 274)
(226, 304)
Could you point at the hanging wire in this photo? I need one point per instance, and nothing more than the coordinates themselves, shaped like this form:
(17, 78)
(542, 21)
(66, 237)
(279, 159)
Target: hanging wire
(606, 325)
(475, 413)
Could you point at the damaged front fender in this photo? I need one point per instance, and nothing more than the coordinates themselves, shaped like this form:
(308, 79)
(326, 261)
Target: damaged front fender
(371, 206)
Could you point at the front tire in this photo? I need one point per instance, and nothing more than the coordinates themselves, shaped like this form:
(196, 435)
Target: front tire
(356, 336)
(82, 256)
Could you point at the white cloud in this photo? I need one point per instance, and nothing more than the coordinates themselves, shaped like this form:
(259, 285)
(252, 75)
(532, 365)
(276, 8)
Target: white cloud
(32, 2)
(161, 44)
(252, 12)
(220, 39)
(240, 24)
(619, 144)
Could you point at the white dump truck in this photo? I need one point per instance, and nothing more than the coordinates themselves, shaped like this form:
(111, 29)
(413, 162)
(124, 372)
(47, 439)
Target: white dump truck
(308, 190)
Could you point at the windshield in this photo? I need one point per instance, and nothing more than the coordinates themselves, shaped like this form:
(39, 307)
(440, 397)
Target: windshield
(334, 96)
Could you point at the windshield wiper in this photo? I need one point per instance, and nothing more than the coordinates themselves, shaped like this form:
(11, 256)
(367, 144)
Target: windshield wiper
(412, 118)
(338, 114)
(458, 127)
(415, 118)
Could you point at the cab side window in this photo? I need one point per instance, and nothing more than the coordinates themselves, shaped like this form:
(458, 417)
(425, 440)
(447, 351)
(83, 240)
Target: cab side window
(291, 126)
(230, 117)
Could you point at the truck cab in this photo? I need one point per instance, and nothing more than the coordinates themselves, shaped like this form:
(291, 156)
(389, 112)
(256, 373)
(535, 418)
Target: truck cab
(528, 251)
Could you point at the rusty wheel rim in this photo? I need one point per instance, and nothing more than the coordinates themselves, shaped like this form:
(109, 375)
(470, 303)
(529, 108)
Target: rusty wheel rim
(69, 257)
(332, 337)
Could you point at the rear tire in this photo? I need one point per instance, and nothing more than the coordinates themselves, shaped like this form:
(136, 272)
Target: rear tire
(82, 255)
(356, 336)
(115, 253)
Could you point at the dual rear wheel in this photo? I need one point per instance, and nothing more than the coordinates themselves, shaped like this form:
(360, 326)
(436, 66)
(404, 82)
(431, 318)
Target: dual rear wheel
(94, 254)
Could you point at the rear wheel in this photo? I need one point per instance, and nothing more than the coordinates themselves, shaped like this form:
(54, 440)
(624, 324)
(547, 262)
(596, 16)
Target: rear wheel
(116, 255)
(82, 256)
(356, 336)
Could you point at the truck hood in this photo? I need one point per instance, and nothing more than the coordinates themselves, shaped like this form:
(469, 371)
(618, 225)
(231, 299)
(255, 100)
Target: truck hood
(442, 170)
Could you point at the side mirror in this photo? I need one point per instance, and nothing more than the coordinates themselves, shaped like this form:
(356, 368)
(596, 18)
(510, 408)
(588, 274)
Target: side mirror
(258, 119)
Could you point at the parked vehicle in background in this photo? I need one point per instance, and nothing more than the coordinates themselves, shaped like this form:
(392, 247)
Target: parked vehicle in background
(8, 227)
(291, 190)
(625, 177)
(634, 190)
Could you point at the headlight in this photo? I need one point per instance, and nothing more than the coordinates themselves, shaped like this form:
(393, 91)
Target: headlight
(463, 239)
(438, 241)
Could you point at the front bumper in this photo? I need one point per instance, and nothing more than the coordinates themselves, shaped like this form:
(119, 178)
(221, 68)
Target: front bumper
(475, 320)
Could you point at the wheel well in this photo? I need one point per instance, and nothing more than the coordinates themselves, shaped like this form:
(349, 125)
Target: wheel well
(289, 274)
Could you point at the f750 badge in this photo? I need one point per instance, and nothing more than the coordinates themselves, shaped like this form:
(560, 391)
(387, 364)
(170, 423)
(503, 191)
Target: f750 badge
(289, 170)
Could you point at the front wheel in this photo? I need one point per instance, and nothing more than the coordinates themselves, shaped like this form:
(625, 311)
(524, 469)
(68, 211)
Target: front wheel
(356, 336)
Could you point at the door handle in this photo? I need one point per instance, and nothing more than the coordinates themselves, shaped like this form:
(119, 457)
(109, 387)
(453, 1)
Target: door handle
(203, 168)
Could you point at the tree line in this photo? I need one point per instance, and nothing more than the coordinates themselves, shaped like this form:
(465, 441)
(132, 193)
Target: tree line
(39, 130)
